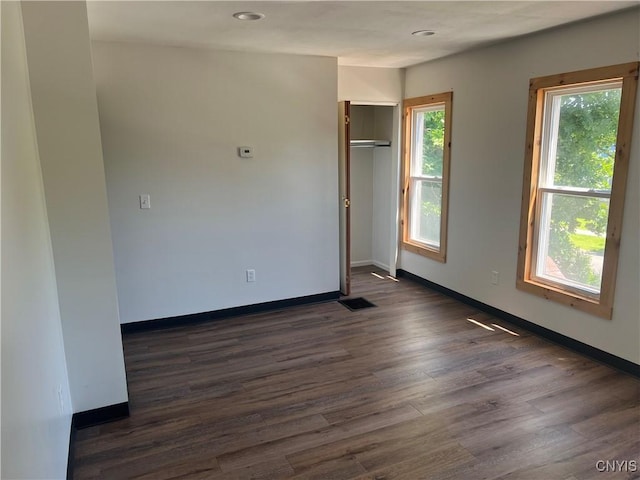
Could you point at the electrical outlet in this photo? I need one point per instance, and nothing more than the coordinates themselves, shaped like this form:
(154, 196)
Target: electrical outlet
(495, 277)
(245, 152)
(251, 275)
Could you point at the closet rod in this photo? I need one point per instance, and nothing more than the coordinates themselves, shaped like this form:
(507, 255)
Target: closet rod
(370, 143)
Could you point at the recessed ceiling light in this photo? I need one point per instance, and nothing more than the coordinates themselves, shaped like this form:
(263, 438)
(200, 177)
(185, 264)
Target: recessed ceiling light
(423, 33)
(248, 16)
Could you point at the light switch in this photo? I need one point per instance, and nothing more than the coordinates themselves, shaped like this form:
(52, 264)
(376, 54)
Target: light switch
(145, 201)
(251, 275)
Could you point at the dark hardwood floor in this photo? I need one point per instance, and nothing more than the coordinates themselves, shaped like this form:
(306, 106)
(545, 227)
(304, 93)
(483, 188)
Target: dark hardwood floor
(408, 390)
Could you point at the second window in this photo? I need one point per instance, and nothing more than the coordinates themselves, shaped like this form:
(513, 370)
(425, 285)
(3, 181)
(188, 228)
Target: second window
(427, 127)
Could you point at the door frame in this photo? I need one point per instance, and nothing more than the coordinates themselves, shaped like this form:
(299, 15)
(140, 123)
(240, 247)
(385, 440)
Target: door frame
(394, 197)
(344, 194)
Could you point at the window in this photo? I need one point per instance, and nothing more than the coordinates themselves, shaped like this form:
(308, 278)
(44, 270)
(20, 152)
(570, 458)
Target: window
(578, 138)
(427, 145)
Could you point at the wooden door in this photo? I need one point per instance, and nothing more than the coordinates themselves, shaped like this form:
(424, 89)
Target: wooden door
(344, 139)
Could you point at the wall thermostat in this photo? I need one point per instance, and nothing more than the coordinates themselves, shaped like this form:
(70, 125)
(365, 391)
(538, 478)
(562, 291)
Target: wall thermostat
(245, 152)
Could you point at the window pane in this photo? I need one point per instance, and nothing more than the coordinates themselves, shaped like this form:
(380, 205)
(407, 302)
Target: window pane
(428, 147)
(426, 123)
(571, 240)
(586, 138)
(579, 123)
(427, 204)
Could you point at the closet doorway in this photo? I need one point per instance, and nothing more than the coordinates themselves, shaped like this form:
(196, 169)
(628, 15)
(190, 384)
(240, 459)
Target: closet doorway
(369, 176)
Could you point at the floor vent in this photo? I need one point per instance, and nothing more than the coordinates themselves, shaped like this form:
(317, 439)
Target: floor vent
(356, 303)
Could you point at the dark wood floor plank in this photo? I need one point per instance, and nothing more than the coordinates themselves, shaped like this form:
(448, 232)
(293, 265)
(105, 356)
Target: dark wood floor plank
(318, 437)
(409, 389)
(269, 470)
(343, 467)
(188, 468)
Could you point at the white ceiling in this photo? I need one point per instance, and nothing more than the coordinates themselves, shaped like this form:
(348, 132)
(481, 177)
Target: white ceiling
(364, 33)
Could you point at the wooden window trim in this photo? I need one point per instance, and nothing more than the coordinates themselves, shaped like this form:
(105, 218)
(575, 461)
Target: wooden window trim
(446, 99)
(603, 305)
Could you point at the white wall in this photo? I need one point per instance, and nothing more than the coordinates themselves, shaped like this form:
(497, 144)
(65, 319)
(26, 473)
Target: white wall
(370, 84)
(35, 427)
(384, 222)
(490, 88)
(361, 205)
(66, 120)
(171, 120)
(362, 123)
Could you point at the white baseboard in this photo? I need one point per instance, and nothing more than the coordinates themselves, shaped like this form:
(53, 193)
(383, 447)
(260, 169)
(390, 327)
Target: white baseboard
(362, 263)
(381, 265)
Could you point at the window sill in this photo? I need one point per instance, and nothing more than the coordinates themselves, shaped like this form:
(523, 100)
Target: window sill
(566, 297)
(425, 251)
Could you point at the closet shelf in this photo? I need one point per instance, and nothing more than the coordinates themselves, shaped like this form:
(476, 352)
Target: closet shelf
(370, 143)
